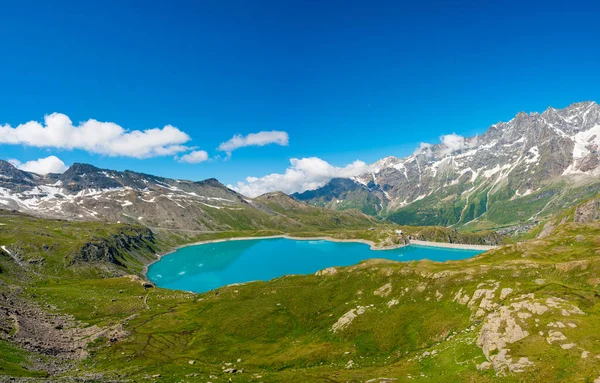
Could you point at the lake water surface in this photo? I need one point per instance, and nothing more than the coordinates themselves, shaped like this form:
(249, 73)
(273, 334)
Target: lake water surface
(201, 268)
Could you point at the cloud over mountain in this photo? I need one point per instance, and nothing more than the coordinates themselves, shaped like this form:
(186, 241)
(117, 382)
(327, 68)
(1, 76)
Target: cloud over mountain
(51, 164)
(452, 143)
(303, 174)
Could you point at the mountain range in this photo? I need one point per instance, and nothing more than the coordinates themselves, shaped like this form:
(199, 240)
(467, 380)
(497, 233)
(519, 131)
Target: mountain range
(517, 171)
(87, 193)
(76, 305)
(515, 174)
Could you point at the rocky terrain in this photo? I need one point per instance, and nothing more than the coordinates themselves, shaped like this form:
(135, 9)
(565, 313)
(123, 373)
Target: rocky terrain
(345, 193)
(529, 167)
(87, 193)
(588, 211)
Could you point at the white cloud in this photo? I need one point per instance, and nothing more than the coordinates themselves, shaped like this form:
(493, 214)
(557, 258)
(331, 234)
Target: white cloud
(472, 142)
(452, 143)
(303, 174)
(106, 138)
(255, 139)
(46, 165)
(424, 148)
(194, 157)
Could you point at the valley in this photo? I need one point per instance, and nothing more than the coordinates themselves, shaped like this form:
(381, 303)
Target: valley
(506, 315)
(299, 192)
(77, 306)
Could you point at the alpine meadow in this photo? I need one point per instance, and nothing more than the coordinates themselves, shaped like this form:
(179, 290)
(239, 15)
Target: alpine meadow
(296, 191)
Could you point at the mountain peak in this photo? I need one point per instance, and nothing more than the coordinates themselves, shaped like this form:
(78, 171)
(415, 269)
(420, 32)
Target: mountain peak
(584, 104)
(274, 195)
(522, 115)
(386, 162)
(572, 108)
(5, 165)
(211, 182)
(81, 168)
(6, 168)
(278, 196)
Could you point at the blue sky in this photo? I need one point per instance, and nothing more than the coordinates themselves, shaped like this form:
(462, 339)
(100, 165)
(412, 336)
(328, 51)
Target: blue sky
(346, 80)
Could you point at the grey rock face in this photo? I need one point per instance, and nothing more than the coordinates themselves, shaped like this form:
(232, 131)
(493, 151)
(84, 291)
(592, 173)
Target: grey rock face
(588, 211)
(343, 193)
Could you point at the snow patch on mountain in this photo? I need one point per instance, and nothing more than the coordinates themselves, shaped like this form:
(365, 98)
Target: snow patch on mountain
(586, 142)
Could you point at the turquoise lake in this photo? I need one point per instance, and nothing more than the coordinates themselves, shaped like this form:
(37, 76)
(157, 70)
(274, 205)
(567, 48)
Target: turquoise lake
(201, 268)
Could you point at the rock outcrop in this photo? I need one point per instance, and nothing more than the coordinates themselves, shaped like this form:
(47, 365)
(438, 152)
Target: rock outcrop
(588, 211)
(346, 320)
(509, 324)
(110, 249)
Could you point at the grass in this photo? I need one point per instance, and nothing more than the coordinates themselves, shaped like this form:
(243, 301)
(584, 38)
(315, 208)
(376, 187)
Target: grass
(281, 330)
(14, 361)
(494, 211)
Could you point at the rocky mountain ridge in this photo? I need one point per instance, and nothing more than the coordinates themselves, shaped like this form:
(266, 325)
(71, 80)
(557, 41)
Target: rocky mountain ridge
(527, 167)
(85, 192)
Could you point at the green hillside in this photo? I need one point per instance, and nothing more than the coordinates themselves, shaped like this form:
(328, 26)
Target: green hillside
(380, 319)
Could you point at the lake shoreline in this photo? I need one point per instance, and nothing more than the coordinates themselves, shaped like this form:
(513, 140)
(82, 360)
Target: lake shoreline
(324, 238)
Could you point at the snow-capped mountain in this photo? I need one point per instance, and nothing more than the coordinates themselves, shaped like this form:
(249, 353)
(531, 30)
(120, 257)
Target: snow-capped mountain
(87, 193)
(526, 168)
(518, 170)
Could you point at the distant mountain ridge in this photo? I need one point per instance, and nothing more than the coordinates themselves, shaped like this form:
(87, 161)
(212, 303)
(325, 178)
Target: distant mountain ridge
(85, 192)
(530, 166)
(522, 170)
(345, 193)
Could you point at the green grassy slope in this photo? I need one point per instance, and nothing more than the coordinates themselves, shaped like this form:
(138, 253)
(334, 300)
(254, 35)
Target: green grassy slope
(76, 249)
(422, 321)
(585, 212)
(313, 217)
(277, 211)
(489, 208)
(282, 330)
